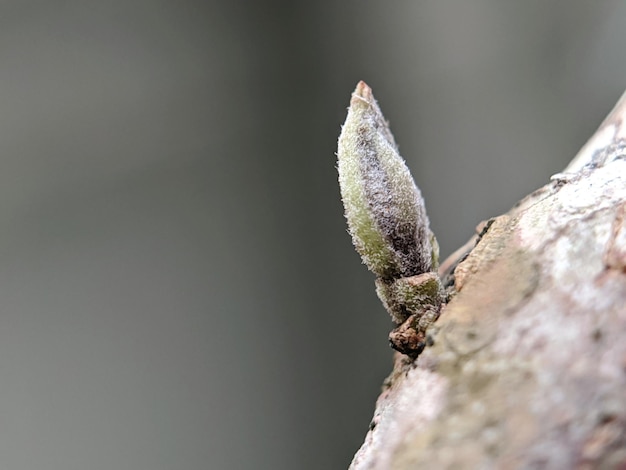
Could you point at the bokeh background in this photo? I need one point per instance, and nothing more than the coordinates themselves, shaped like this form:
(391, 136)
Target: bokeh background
(177, 288)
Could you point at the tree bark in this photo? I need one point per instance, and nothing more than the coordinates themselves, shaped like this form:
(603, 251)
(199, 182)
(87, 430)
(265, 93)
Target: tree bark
(526, 366)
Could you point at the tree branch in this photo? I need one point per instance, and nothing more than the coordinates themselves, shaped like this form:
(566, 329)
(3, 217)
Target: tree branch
(526, 365)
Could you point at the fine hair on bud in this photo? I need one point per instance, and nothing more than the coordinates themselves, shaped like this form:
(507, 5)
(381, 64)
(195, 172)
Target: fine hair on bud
(383, 206)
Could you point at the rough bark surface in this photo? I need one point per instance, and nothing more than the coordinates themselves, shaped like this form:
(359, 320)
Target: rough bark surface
(527, 367)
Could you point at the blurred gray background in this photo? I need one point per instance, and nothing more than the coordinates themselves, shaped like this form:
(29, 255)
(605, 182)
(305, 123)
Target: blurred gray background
(177, 288)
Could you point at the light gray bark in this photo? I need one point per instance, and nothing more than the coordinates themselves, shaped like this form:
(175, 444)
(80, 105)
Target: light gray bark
(528, 364)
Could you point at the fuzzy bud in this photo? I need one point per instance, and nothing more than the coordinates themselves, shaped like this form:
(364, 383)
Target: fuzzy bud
(383, 206)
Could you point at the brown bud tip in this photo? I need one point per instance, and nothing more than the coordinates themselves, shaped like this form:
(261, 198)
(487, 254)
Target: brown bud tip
(362, 92)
